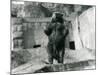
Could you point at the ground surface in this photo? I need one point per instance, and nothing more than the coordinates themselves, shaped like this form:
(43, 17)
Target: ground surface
(73, 60)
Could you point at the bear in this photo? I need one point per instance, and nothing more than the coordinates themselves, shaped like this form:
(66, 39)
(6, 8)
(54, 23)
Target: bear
(56, 32)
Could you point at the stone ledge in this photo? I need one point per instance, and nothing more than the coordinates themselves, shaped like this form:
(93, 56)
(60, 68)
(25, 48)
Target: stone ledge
(73, 60)
(82, 65)
(42, 67)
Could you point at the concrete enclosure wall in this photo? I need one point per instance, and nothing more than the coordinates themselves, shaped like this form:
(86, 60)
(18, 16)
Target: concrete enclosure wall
(34, 35)
(84, 29)
(81, 31)
(87, 28)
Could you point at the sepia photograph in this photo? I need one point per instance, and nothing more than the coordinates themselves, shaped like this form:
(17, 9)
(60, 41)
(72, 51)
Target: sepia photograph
(52, 37)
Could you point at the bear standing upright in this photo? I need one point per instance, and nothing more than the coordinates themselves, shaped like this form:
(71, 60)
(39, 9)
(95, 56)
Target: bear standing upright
(56, 32)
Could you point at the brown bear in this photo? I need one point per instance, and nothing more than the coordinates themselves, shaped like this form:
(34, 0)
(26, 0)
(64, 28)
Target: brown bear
(56, 32)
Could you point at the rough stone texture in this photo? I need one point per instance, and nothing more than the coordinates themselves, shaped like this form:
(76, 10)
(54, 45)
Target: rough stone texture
(87, 28)
(73, 60)
(34, 35)
(76, 36)
(35, 59)
(82, 65)
(28, 36)
(19, 57)
(17, 10)
(84, 29)
(17, 33)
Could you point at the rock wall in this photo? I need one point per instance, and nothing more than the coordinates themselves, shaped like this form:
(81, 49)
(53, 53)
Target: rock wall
(87, 28)
(76, 35)
(34, 35)
(84, 29)
(17, 33)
